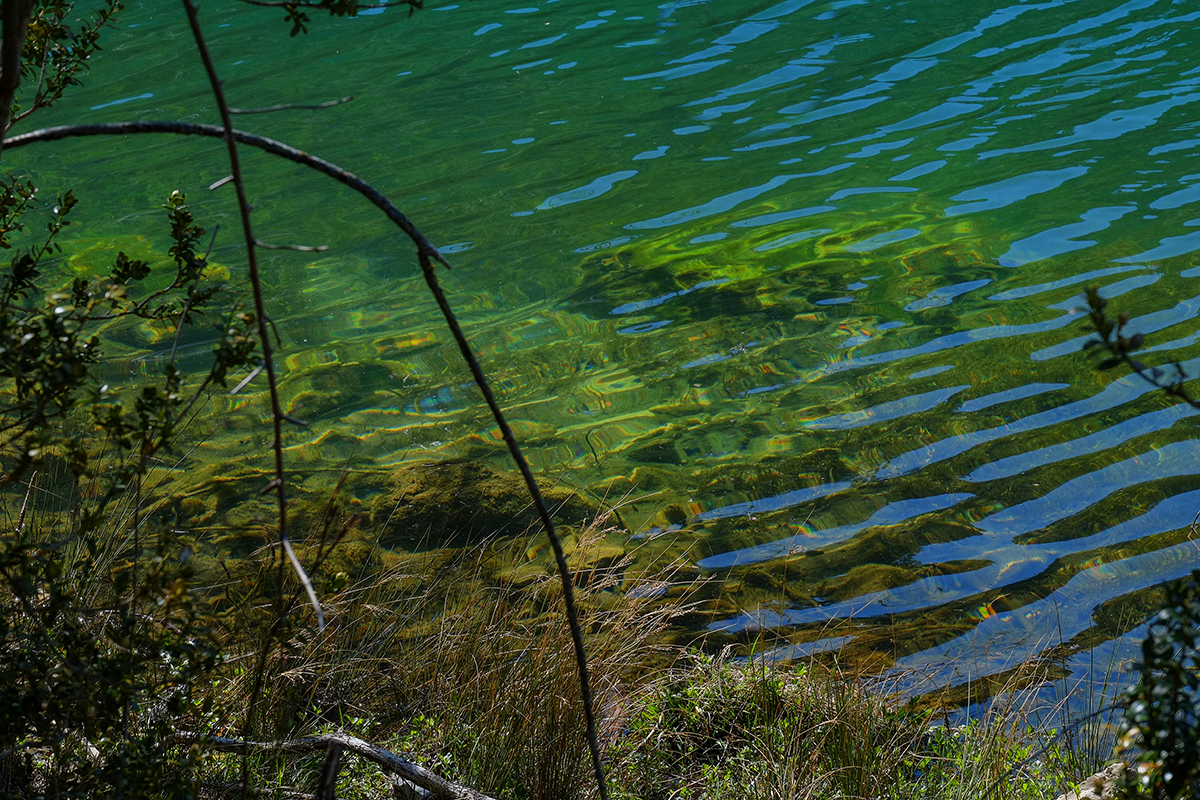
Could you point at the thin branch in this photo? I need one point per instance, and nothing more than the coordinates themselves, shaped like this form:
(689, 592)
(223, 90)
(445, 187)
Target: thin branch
(14, 16)
(388, 761)
(289, 106)
(560, 558)
(244, 382)
(261, 142)
(1120, 347)
(259, 302)
(426, 254)
(327, 786)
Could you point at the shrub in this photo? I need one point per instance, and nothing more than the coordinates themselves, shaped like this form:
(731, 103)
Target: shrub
(1162, 719)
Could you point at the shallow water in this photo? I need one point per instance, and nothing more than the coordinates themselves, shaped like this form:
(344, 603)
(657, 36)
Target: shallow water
(809, 272)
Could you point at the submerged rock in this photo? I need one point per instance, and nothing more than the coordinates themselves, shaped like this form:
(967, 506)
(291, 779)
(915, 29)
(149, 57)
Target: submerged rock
(435, 504)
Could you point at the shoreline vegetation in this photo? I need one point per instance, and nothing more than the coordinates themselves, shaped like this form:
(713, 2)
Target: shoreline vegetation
(457, 660)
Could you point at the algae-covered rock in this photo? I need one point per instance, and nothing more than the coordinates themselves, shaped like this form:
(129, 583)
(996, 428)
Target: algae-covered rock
(450, 503)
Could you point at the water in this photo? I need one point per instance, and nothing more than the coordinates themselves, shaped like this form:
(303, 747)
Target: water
(808, 274)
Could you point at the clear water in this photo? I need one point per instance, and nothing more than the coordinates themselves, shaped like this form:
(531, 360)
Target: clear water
(810, 271)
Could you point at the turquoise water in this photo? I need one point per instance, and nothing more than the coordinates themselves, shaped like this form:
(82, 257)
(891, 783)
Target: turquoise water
(809, 273)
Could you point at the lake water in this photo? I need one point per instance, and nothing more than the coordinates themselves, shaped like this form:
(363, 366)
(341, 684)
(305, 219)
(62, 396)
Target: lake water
(803, 277)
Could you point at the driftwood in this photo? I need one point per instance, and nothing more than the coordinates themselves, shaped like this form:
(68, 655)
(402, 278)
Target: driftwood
(389, 762)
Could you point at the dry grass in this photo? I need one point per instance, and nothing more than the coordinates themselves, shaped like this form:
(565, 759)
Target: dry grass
(464, 661)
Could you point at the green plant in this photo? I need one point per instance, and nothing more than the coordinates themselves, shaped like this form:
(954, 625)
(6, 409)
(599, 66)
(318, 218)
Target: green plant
(108, 456)
(715, 729)
(1162, 718)
(1161, 725)
(90, 691)
(104, 643)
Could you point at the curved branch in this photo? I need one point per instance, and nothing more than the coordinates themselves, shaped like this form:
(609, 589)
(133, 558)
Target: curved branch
(426, 254)
(261, 142)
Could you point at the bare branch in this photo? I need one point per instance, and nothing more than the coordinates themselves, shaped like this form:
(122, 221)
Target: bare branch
(263, 143)
(289, 106)
(327, 786)
(14, 16)
(426, 254)
(535, 493)
(1111, 333)
(388, 761)
(244, 382)
(260, 310)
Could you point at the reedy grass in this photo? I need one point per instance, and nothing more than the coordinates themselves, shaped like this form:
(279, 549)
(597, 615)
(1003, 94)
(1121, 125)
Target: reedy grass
(715, 728)
(461, 660)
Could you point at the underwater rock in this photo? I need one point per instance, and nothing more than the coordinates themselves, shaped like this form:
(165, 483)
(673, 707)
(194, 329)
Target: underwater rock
(435, 504)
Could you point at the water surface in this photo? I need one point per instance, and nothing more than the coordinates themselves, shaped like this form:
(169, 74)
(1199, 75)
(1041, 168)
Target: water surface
(811, 272)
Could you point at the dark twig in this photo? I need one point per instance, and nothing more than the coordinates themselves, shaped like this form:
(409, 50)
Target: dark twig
(261, 142)
(564, 570)
(260, 310)
(14, 18)
(1120, 347)
(427, 254)
(290, 106)
(327, 785)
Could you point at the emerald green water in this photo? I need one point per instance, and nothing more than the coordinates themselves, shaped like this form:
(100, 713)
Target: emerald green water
(809, 273)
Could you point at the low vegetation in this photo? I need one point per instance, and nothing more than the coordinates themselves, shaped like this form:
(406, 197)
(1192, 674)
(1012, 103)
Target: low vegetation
(459, 661)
